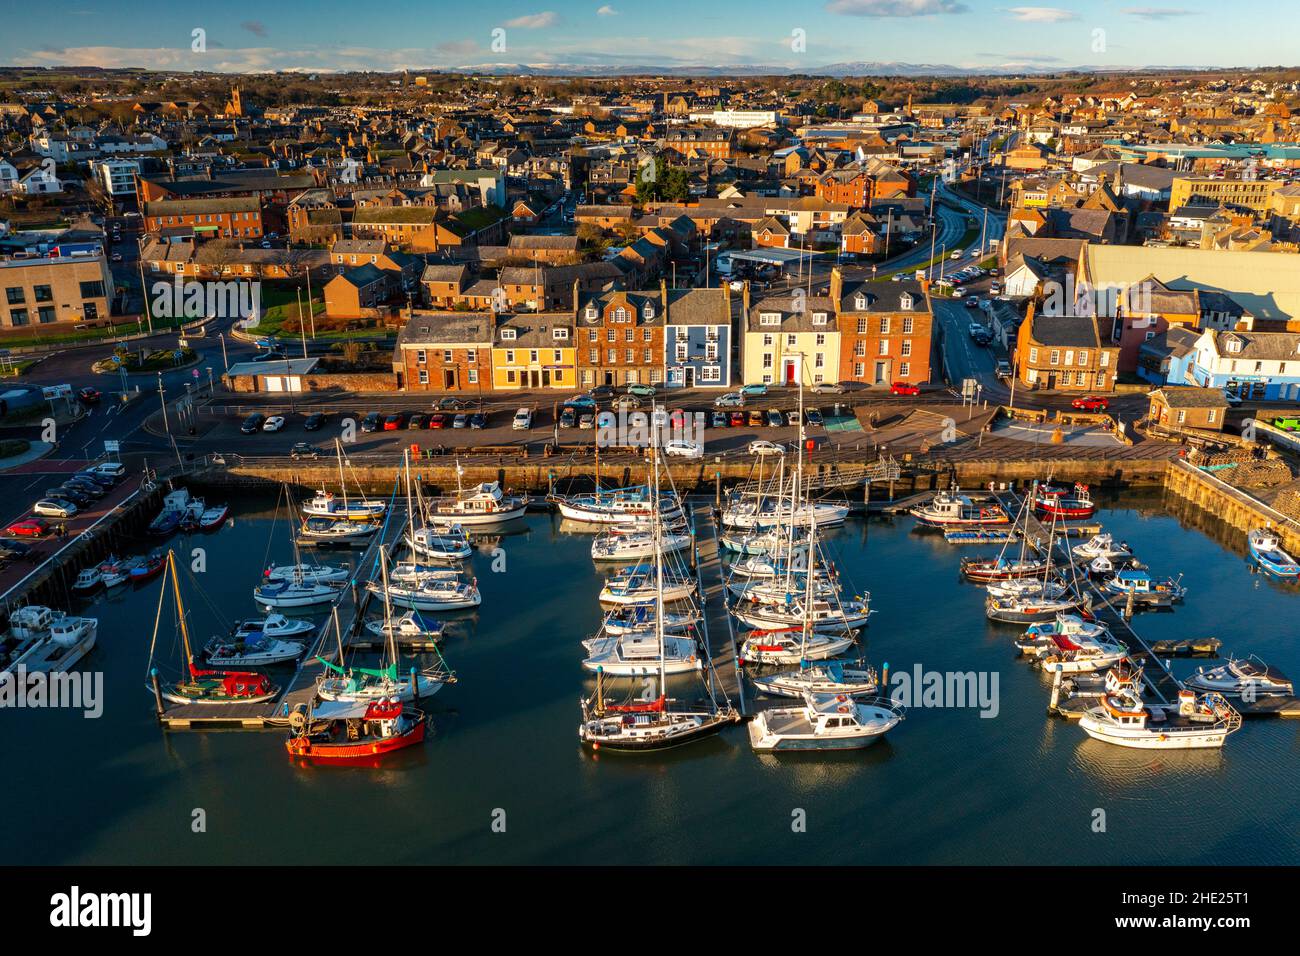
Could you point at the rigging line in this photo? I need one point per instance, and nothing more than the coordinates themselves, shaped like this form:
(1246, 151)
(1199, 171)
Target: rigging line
(266, 556)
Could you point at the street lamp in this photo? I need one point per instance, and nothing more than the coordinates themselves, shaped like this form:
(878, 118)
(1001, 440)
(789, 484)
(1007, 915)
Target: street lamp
(224, 360)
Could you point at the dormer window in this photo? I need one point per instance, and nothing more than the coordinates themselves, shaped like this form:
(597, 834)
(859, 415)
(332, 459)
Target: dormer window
(508, 335)
(648, 312)
(592, 312)
(905, 300)
(1234, 345)
(860, 302)
(560, 335)
(819, 318)
(769, 318)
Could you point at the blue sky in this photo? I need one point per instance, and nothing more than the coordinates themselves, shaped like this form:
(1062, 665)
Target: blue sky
(399, 34)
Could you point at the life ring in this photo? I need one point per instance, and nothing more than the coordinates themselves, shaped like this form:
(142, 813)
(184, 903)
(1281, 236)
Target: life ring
(844, 708)
(841, 698)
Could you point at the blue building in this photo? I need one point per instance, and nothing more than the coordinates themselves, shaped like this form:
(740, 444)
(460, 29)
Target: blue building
(697, 338)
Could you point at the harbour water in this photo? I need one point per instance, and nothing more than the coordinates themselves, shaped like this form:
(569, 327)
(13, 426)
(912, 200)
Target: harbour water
(502, 778)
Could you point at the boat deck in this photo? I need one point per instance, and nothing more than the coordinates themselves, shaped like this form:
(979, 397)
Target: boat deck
(301, 686)
(719, 630)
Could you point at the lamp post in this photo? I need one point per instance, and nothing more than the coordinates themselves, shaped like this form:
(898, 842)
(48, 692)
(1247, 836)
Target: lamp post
(224, 360)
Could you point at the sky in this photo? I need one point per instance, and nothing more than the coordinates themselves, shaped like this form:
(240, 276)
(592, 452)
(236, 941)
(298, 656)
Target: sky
(243, 36)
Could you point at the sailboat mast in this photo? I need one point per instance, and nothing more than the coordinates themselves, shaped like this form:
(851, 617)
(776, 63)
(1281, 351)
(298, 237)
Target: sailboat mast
(180, 609)
(343, 485)
(659, 563)
(388, 606)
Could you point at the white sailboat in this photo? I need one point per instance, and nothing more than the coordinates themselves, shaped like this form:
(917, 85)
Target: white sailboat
(326, 505)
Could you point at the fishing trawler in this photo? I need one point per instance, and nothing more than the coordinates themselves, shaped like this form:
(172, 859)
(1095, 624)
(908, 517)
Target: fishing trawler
(351, 731)
(1144, 589)
(1266, 548)
(824, 722)
(951, 509)
(1064, 503)
(1123, 719)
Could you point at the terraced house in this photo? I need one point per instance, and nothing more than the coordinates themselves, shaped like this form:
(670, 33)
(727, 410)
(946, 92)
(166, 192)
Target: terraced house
(620, 338)
(535, 350)
(445, 352)
(885, 331)
(791, 339)
(697, 337)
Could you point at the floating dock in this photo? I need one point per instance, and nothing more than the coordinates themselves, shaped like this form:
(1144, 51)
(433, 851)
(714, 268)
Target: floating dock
(719, 629)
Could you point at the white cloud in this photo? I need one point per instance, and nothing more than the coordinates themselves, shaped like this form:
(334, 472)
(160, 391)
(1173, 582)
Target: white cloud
(895, 8)
(1041, 14)
(606, 11)
(534, 21)
(1157, 13)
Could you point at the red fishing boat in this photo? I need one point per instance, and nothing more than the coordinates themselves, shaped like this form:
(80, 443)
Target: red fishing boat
(351, 731)
(148, 568)
(1064, 503)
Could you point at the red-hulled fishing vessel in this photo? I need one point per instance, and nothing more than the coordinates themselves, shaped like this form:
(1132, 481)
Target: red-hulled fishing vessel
(340, 731)
(1064, 503)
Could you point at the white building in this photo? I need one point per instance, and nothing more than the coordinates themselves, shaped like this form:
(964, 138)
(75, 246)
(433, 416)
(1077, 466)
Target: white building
(117, 176)
(738, 119)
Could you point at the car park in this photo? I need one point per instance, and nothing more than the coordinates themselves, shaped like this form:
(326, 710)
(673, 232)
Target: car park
(680, 448)
(273, 424)
(761, 446)
(313, 421)
(729, 399)
(774, 419)
(28, 528)
(523, 420)
(371, 422)
(55, 508)
(478, 420)
(904, 388)
(304, 449)
(253, 423)
(1091, 403)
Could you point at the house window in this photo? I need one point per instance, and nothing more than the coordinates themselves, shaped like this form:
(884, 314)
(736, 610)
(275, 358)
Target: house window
(791, 340)
(510, 376)
(681, 351)
(883, 347)
(767, 340)
(859, 370)
(510, 356)
(1105, 359)
(819, 318)
(1211, 415)
(42, 293)
(862, 325)
(767, 360)
(820, 360)
(711, 351)
(507, 334)
(630, 335)
(1182, 415)
(560, 335)
(907, 324)
(1033, 356)
(18, 317)
(1056, 357)
(821, 338)
(630, 356)
(532, 356)
(904, 369)
(611, 335)
(611, 356)
(424, 377)
(1083, 357)
(884, 325)
(447, 357)
(1069, 357)
(593, 356)
(620, 315)
(711, 373)
(45, 314)
(769, 318)
(471, 355)
(907, 347)
(473, 376)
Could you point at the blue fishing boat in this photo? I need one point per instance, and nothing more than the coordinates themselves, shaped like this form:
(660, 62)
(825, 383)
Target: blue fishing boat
(1266, 550)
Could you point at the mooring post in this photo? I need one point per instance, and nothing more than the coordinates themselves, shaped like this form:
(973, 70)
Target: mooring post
(415, 685)
(717, 490)
(1056, 691)
(1128, 607)
(157, 691)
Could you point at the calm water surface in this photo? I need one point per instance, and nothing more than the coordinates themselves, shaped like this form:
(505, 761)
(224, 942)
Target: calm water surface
(945, 787)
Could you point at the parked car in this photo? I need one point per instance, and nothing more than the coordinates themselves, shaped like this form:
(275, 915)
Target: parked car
(828, 388)
(602, 392)
(395, 421)
(418, 420)
(568, 417)
(253, 423)
(75, 495)
(641, 389)
(680, 448)
(719, 419)
(438, 420)
(761, 446)
(755, 419)
(587, 420)
(460, 421)
(273, 424)
(815, 417)
(449, 404)
(55, 508)
(748, 391)
(581, 401)
(737, 419)
(1003, 368)
(792, 417)
(729, 399)
(110, 469)
(104, 481)
(371, 422)
(304, 449)
(478, 420)
(313, 421)
(28, 528)
(1091, 403)
(85, 486)
(774, 418)
(523, 420)
(904, 388)
(627, 401)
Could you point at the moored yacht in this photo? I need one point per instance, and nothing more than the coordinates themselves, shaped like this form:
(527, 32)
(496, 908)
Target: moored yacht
(482, 504)
(824, 722)
(1241, 678)
(1266, 548)
(951, 509)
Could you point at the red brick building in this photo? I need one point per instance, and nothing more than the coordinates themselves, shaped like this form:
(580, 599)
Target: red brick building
(886, 331)
(445, 352)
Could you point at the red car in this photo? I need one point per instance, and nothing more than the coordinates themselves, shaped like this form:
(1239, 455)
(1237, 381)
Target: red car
(28, 528)
(1091, 403)
(737, 419)
(394, 422)
(904, 388)
(437, 420)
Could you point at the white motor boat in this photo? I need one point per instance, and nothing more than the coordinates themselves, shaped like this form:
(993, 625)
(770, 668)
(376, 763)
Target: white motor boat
(308, 574)
(283, 593)
(69, 640)
(438, 594)
(274, 626)
(482, 504)
(441, 542)
(789, 646)
(252, 650)
(1121, 718)
(829, 677)
(409, 627)
(637, 655)
(118, 571)
(824, 722)
(635, 545)
(29, 621)
(951, 509)
(1077, 654)
(1102, 546)
(1239, 678)
(758, 514)
(326, 505)
(1038, 637)
(621, 506)
(88, 580)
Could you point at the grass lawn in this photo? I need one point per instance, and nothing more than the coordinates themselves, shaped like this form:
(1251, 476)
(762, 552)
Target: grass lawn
(281, 305)
(89, 335)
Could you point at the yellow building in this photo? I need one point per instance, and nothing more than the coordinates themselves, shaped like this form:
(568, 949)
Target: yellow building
(535, 350)
(1253, 194)
(791, 339)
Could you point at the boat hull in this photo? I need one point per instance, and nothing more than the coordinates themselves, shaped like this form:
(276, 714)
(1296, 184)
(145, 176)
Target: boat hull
(308, 749)
(709, 727)
(1152, 739)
